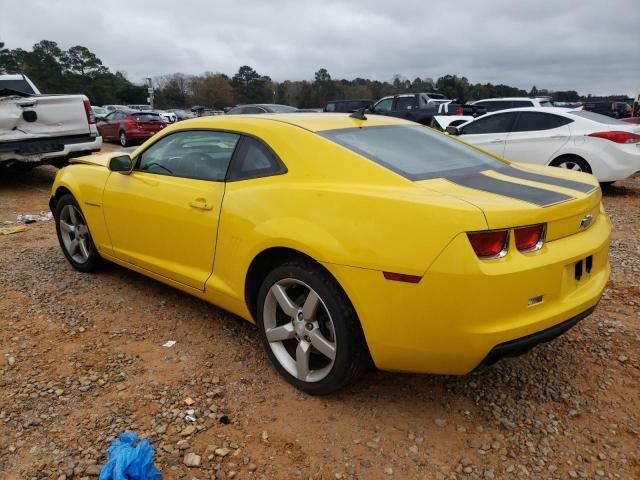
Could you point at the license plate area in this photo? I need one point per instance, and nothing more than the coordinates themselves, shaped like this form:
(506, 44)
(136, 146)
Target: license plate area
(583, 267)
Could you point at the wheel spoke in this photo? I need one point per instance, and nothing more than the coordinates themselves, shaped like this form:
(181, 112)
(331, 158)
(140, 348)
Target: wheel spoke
(278, 334)
(72, 216)
(302, 359)
(310, 305)
(84, 251)
(323, 345)
(288, 307)
(73, 246)
(64, 226)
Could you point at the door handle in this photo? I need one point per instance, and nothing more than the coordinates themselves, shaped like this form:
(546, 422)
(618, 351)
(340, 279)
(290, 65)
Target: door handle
(497, 140)
(201, 203)
(559, 136)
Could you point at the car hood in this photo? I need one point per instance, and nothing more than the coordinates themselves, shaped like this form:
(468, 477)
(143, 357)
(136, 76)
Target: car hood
(526, 195)
(100, 159)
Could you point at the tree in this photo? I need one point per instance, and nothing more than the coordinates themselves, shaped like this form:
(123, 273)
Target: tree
(80, 60)
(45, 66)
(250, 86)
(213, 90)
(323, 88)
(533, 92)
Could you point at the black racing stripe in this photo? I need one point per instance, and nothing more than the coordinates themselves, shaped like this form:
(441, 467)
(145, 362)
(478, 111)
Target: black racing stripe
(538, 196)
(558, 182)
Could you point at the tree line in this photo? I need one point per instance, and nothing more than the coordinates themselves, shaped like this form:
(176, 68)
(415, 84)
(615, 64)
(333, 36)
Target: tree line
(78, 70)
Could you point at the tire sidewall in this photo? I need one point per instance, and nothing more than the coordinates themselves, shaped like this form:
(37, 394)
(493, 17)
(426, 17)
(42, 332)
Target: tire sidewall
(94, 258)
(341, 313)
(126, 140)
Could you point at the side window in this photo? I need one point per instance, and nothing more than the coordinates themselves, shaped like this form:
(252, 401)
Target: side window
(253, 110)
(331, 107)
(384, 105)
(254, 159)
(500, 123)
(199, 154)
(521, 103)
(534, 121)
(405, 103)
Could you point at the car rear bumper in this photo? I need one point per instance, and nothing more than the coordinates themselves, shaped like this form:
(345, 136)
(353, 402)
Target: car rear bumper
(45, 149)
(463, 308)
(615, 162)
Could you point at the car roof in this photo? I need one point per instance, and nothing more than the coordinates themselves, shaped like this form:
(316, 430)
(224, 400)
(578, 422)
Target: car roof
(508, 99)
(314, 122)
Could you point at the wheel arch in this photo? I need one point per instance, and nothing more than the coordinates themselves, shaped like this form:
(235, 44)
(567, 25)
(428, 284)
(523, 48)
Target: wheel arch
(553, 161)
(268, 259)
(59, 193)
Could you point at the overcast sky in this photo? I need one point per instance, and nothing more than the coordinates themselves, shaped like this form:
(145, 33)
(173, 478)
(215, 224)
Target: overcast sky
(592, 46)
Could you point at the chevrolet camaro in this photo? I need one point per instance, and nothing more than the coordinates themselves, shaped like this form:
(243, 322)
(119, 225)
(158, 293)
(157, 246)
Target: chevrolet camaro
(346, 239)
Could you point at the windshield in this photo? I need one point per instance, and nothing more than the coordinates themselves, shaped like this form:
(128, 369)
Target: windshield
(596, 117)
(281, 108)
(413, 151)
(147, 117)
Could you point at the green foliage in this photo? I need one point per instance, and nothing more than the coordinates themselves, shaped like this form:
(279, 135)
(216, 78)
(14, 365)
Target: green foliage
(77, 70)
(251, 87)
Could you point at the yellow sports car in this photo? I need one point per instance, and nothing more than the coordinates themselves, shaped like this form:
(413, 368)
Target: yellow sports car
(346, 239)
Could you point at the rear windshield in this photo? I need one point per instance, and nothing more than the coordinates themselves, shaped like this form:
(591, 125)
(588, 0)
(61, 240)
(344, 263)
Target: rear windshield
(596, 117)
(16, 85)
(147, 117)
(413, 151)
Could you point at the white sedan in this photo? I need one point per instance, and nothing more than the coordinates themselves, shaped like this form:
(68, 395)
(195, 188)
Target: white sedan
(573, 139)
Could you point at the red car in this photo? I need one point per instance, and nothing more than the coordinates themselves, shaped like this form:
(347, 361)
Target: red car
(634, 120)
(129, 126)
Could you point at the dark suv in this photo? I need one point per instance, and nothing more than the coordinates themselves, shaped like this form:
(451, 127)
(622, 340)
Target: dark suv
(347, 106)
(422, 107)
(610, 109)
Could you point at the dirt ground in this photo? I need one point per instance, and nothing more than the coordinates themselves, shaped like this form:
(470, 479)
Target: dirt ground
(81, 360)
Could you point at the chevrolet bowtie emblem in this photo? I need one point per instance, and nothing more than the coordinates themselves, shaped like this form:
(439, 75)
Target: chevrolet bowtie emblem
(586, 221)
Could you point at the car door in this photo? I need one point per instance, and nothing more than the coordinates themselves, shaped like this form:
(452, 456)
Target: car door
(489, 132)
(106, 126)
(163, 216)
(536, 137)
(383, 107)
(405, 106)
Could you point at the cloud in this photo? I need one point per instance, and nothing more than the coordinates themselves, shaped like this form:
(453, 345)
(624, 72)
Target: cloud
(587, 45)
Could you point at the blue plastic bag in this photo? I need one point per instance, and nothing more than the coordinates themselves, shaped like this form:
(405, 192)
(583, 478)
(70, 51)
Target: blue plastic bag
(129, 458)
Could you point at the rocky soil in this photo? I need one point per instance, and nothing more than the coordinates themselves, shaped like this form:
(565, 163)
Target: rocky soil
(81, 360)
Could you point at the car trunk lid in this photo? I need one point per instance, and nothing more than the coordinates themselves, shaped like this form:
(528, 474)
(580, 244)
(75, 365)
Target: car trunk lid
(517, 196)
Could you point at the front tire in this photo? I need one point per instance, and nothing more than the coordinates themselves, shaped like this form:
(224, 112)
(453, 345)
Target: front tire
(309, 329)
(74, 236)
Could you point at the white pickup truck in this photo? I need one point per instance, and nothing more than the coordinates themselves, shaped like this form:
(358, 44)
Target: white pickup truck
(37, 129)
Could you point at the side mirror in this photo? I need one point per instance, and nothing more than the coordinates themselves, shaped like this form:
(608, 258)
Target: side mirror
(372, 109)
(122, 164)
(451, 130)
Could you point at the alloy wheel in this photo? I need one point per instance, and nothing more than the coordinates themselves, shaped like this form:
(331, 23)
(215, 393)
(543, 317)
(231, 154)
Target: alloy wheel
(300, 330)
(569, 165)
(75, 233)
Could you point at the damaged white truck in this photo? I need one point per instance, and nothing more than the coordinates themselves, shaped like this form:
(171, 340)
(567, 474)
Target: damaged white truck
(38, 129)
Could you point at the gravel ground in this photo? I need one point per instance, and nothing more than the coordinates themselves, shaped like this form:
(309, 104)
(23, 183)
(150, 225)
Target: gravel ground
(81, 360)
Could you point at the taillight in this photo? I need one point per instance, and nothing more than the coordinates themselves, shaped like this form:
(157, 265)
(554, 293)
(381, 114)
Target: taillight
(618, 137)
(489, 244)
(459, 111)
(529, 239)
(91, 118)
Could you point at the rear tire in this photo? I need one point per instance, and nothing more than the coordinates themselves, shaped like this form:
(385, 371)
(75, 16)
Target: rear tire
(124, 141)
(309, 329)
(572, 162)
(74, 236)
